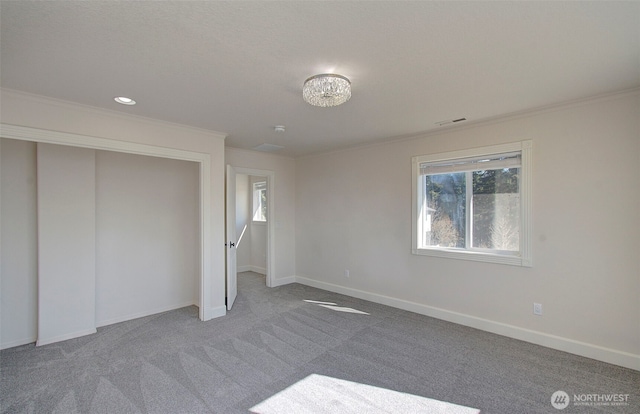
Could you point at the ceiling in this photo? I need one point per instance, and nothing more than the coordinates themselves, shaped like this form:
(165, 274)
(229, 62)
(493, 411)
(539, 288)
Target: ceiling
(238, 67)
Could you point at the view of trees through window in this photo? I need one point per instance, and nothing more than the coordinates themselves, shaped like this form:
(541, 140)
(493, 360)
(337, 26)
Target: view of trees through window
(260, 201)
(493, 202)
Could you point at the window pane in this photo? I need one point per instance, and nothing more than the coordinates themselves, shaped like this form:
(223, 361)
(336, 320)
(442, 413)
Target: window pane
(445, 218)
(474, 204)
(263, 204)
(496, 209)
(260, 201)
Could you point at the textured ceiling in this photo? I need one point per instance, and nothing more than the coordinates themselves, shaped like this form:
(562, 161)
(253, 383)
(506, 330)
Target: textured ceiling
(238, 67)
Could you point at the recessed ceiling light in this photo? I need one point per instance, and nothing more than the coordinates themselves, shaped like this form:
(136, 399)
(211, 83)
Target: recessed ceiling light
(124, 100)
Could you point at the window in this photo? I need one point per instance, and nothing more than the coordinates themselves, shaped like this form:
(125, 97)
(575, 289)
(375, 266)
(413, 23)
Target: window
(260, 201)
(474, 204)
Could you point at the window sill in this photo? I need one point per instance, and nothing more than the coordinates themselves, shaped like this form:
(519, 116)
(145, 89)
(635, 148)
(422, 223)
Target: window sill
(512, 260)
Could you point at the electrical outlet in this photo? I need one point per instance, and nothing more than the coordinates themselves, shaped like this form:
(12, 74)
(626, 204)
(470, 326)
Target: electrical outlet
(537, 308)
(346, 273)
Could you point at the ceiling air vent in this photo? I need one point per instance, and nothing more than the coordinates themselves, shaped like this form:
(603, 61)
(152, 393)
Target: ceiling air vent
(450, 121)
(268, 148)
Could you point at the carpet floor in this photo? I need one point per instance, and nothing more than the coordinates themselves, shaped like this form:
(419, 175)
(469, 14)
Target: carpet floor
(297, 349)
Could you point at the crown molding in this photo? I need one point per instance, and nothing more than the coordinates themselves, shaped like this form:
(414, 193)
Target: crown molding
(109, 112)
(540, 110)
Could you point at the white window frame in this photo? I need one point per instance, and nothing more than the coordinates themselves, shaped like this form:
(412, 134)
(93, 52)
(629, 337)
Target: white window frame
(521, 258)
(257, 188)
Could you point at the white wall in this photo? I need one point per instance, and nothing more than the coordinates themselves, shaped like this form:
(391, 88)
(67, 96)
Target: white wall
(66, 242)
(353, 211)
(284, 202)
(147, 232)
(19, 255)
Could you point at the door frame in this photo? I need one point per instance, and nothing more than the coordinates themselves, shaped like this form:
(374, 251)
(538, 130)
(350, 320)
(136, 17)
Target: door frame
(203, 159)
(271, 228)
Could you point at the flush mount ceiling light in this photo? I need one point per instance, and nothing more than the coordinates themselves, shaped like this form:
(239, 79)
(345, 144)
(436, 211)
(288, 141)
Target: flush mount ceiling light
(124, 100)
(326, 90)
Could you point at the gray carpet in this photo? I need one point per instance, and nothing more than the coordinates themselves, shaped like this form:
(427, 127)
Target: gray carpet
(277, 353)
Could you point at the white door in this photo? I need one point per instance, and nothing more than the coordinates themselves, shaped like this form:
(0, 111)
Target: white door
(230, 243)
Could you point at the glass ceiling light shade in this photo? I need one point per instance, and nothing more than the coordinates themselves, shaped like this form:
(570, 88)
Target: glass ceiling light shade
(326, 90)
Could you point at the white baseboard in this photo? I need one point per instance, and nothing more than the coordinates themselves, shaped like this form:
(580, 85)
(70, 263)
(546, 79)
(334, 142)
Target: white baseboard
(251, 268)
(18, 342)
(283, 281)
(599, 353)
(65, 337)
(211, 313)
(143, 314)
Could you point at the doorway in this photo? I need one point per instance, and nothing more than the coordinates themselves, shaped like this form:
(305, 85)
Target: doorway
(114, 212)
(208, 229)
(251, 223)
(254, 221)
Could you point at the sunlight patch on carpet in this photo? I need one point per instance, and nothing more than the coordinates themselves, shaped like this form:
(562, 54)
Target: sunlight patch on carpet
(317, 302)
(322, 394)
(343, 309)
(335, 307)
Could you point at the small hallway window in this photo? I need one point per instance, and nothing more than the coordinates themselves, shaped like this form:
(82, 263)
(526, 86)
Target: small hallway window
(260, 201)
